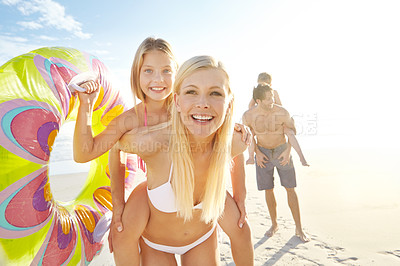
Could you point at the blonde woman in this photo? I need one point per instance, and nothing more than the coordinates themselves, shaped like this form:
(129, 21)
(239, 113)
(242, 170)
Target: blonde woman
(153, 73)
(188, 163)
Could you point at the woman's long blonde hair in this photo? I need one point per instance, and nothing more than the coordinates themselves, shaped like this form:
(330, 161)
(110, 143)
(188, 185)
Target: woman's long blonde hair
(148, 45)
(213, 197)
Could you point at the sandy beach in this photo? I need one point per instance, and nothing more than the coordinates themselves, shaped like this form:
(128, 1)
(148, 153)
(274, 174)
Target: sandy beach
(334, 66)
(350, 207)
(350, 211)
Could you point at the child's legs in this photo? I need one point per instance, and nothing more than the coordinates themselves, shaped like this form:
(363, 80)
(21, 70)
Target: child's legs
(241, 243)
(252, 149)
(206, 253)
(251, 153)
(134, 218)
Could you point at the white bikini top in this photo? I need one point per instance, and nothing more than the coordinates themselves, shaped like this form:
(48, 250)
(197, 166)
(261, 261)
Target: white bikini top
(163, 197)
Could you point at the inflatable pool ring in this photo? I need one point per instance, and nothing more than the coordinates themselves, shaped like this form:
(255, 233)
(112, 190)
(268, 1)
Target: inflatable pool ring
(35, 228)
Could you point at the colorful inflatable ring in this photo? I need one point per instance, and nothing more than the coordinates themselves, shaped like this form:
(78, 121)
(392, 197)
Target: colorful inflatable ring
(35, 101)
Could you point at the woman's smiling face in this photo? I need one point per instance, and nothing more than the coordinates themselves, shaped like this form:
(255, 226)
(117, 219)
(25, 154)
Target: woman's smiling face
(203, 100)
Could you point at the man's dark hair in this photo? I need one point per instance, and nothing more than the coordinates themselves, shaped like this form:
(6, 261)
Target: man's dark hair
(260, 90)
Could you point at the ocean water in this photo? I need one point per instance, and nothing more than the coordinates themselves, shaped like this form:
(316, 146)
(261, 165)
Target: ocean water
(313, 132)
(61, 158)
(66, 176)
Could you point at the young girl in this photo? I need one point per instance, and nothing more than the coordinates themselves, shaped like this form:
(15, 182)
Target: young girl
(188, 164)
(153, 73)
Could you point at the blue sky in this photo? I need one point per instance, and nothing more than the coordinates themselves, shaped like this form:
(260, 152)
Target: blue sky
(337, 59)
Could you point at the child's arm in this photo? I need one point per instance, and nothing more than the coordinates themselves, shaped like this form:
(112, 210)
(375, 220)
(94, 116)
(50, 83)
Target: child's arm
(277, 100)
(241, 243)
(252, 103)
(240, 140)
(117, 164)
(295, 144)
(87, 147)
(135, 217)
(238, 177)
(261, 158)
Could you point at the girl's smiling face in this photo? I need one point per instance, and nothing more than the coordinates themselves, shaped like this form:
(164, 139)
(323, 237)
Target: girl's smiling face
(203, 101)
(157, 75)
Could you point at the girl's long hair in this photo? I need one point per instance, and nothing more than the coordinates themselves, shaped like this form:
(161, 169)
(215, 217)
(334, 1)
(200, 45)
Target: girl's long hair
(148, 45)
(213, 197)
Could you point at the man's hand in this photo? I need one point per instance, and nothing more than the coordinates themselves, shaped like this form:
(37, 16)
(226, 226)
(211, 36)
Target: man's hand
(115, 223)
(261, 158)
(284, 158)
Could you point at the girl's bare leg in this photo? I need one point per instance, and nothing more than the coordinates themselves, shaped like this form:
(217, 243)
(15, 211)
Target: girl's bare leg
(134, 218)
(241, 243)
(251, 153)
